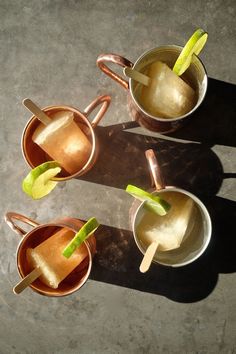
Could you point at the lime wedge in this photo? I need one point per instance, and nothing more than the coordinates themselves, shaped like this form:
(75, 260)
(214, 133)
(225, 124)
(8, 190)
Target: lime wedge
(153, 202)
(194, 46)
(38, 182)
(85, 231)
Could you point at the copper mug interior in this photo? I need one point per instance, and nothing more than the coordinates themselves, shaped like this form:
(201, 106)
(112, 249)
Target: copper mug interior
(35, 156)
(195, 75)
(37, 235)
(196, 243)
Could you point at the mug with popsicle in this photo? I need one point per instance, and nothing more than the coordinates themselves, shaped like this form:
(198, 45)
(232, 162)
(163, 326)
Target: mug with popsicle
(171, 226)
(166, 84)
(54, 259)
(59, 143)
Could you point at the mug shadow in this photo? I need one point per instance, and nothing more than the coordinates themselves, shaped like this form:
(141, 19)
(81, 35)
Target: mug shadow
(118, 258)
(214, 121)
(122, 161)
(188, 165)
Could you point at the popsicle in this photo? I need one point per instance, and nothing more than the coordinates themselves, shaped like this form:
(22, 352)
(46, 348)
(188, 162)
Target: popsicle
(167, 95)
(47, 256)
(170, 230)
(64, 141)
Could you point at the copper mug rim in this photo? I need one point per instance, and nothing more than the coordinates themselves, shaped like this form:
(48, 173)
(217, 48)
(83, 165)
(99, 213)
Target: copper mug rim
(61, 223)
(104, 100)
(161, 187)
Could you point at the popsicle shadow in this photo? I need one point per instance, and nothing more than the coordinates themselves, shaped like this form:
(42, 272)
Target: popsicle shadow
(118, 258)
(214, 122)
(122, 160)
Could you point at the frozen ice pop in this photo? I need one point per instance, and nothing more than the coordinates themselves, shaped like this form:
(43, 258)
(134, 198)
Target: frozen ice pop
(167, 95)
(47, 256)
(169, 230)
(64, 141)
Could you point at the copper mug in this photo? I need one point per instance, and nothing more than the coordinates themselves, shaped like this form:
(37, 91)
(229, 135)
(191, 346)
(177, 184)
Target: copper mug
(195, 75)
(37, 235)
(196, 243)
(35, 156)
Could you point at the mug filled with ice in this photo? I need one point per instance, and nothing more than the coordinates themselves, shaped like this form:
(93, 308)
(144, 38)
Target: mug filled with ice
(159, 97)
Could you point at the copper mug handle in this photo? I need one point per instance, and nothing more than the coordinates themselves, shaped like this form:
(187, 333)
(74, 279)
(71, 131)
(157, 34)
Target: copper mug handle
(155, 171)
(11, 216)
(104, 101)
(116, 59)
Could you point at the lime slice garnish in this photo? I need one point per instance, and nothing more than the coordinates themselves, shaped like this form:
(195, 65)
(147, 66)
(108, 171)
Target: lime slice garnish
(153, 202)
(38, 182)
(194, 46)
(85, 231)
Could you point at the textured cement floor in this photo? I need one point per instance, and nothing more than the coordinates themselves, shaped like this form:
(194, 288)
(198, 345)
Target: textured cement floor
(48, 53)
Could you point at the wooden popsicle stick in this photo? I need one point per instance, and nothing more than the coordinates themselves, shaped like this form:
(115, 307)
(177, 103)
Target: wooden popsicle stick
(148, 257)
(137, 76)
(25, 282)
(33, 108)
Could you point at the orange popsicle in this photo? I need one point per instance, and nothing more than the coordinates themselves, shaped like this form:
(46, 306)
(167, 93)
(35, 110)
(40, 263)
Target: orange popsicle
(47, 256)
(64, 141)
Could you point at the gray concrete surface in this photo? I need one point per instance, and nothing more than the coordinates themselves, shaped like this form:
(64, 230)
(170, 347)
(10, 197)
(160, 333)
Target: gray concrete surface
(48, 53)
